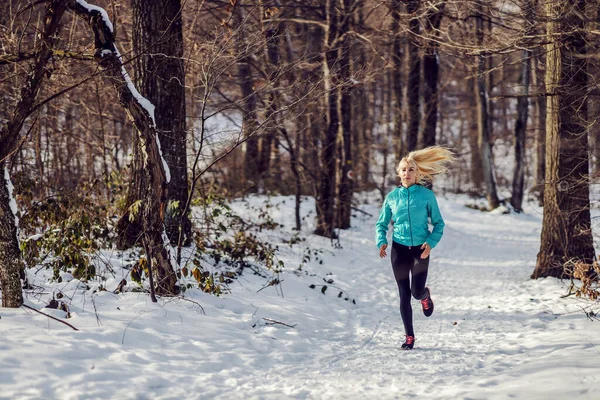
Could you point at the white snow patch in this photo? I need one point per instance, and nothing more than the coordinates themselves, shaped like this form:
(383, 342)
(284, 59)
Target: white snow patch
(11, 199)
(164, 162)
(142, 101)
(495, 333)
(35, 237)
(102, 11)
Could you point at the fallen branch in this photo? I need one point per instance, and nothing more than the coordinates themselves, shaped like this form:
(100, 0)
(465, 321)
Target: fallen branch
(273, 322)
(50, 316)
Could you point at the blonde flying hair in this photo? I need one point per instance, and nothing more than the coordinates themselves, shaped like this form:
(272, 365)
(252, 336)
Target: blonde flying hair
(429, 161)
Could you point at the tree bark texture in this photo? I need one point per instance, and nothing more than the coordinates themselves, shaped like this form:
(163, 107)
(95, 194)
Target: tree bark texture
(159, 69)
(11, 265)
(142, 115)
(566, 230)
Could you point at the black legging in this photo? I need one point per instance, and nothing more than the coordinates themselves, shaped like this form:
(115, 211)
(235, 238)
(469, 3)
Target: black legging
(404, 260)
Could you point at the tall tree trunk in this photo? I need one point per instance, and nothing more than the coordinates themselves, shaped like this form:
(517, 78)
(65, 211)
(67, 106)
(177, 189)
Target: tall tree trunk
(472, 113)
(413, 85)
(483, 124)
(539, 155)
(431, 69)
(520, 135)
(272, 34)
(363, 112)
(346, 182)
(398, 140)
(249, 100)
(11, 264)
(566, 231)
(594, 101)
(326, 196)
(159, 73)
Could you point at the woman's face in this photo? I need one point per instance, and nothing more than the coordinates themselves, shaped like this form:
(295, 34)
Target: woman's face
(408, 173)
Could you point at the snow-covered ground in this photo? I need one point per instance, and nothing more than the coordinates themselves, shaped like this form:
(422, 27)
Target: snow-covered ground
(495, 333)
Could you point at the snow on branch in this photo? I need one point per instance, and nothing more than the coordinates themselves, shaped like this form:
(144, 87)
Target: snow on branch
(109, 57)
(91, 8)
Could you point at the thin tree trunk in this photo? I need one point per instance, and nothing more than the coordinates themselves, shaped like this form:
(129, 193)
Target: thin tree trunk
(566, 231)
(539, 154)
(398, 140)
(413, 85)
(483, 124)
(520, 134)
(326, 197)
(346, 183)
(431, 69)
(272, 34)
(249, 100)
(476, 169)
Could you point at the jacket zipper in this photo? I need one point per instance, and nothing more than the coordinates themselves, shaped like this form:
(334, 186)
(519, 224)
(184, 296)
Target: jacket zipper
(409, 221)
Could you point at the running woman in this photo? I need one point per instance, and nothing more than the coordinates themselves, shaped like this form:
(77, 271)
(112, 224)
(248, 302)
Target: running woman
(409, 206)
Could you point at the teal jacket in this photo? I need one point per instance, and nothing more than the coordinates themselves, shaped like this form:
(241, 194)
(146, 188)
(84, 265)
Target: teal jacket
(409, 210)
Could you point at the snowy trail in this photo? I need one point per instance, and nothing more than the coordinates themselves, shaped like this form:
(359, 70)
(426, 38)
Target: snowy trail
(491, 323)
(495, 333)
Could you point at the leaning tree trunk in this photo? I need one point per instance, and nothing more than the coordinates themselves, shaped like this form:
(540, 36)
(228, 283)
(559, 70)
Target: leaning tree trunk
(414, 78)
(520, 134)
(483, 125)
(346, 182)
(566, 230)
(11, 264)
(141, 111)
(326, 195)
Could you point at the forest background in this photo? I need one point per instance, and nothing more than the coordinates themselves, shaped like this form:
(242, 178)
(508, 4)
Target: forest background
(118, 117)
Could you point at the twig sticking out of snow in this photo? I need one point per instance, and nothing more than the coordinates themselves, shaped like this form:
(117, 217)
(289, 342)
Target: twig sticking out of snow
(49, 316)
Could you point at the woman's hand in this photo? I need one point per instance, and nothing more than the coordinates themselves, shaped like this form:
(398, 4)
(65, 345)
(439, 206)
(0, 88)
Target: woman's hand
(426, 251)
(382, 252)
